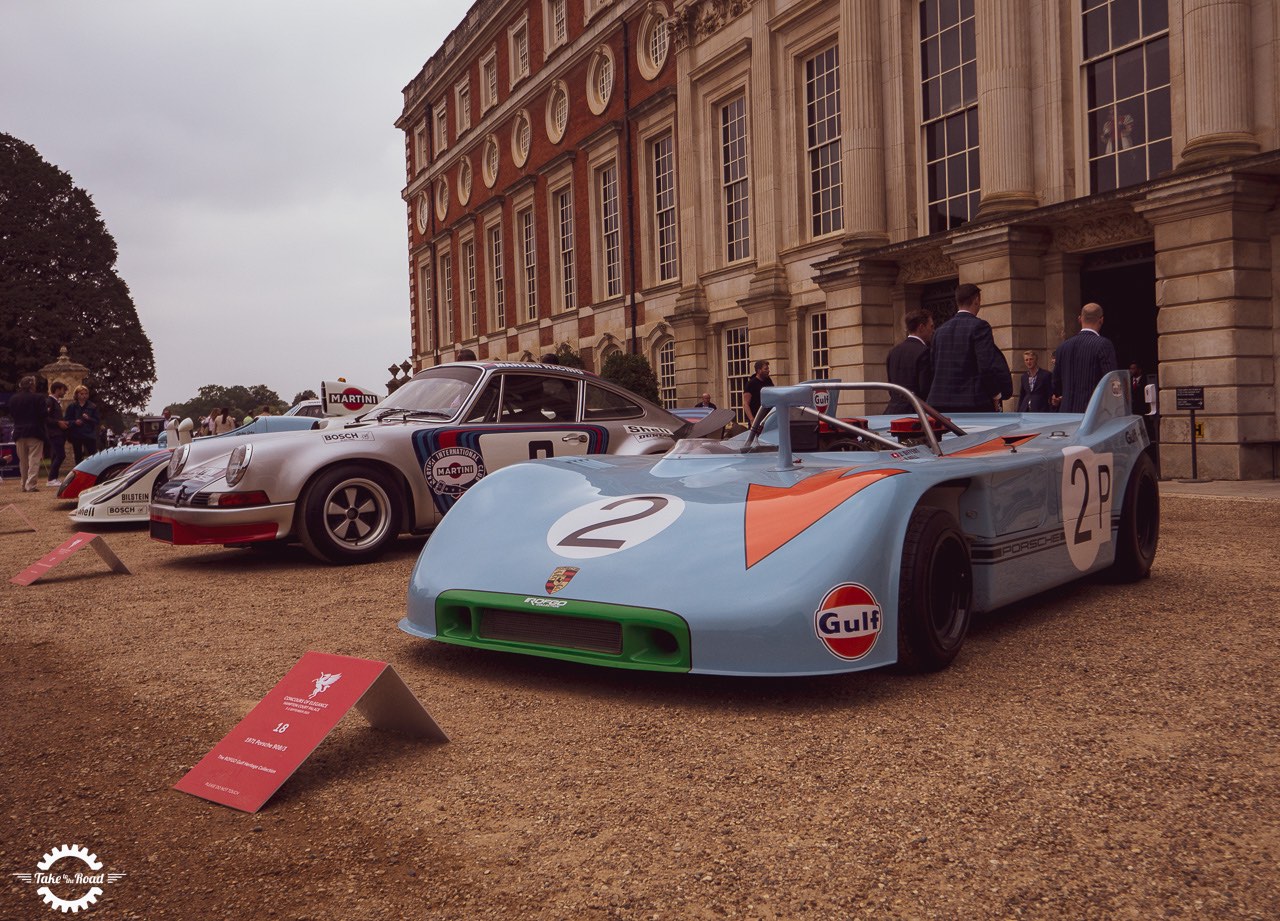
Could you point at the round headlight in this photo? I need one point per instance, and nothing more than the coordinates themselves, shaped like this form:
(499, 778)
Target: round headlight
(178, 460)
(238, 463)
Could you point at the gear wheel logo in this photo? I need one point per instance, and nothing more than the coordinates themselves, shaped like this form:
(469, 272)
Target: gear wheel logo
(70, 878)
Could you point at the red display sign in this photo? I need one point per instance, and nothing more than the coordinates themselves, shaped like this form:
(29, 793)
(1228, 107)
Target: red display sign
(255, 758)
(41, 567)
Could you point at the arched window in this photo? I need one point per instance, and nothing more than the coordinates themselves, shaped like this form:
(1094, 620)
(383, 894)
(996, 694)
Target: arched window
(665, 362)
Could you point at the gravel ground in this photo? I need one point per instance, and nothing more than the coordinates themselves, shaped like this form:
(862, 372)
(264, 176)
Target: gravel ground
(1097, 752)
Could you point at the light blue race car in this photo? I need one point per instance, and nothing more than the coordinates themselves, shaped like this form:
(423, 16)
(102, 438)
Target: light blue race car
(786, 551)
(108, 464)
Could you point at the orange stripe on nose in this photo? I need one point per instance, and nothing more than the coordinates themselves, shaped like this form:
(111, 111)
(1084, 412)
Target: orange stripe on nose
(776, 514)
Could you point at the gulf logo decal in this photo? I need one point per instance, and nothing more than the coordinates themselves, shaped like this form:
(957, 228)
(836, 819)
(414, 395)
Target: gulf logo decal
(848, 621)
(776, 514)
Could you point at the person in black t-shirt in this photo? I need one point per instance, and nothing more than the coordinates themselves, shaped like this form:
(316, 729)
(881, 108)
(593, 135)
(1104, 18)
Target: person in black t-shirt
(751, 392)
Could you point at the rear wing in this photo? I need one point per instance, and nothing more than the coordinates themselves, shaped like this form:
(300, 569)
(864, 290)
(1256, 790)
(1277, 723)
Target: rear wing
(701, 421)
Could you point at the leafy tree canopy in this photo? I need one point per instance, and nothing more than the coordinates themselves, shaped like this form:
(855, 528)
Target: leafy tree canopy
(58, 284)
(240, 401)
(566, 356)
(632, 372)
(304, 395)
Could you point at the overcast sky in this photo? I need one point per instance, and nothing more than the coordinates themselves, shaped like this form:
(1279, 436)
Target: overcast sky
(244, 156)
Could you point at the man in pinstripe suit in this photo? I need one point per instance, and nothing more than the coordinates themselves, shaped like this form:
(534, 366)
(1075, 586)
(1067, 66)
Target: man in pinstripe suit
(970, 375)
(1083, 360)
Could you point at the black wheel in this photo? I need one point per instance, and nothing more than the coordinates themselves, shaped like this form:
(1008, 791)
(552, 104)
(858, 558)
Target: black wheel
(845, 444)
(935, 591)
(1139, 530)
(349, 514)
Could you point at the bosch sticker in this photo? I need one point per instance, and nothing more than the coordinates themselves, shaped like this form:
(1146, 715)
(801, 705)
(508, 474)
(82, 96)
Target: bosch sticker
(335, 437)
(452, 471)
(848, 621)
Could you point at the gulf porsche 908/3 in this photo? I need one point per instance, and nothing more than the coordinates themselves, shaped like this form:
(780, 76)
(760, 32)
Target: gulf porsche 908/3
(349, 489)
(763, 555)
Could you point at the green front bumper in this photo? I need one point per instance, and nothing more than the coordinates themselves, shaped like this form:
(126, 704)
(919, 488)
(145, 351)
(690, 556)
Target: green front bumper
(577, 631)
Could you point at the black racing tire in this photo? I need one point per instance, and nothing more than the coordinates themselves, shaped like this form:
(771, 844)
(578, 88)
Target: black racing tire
(349, 514)
(935, 591)
(1139, 532)
(846, 444)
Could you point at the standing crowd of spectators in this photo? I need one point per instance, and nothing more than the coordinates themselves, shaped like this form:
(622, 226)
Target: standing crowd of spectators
(41, 426)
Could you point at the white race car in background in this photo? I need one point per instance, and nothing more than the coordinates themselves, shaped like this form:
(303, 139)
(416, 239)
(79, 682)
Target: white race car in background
(125, 497)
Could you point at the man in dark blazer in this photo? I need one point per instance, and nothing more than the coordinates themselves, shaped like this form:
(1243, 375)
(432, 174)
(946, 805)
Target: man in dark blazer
(1036, 392)
(970, 375)
(910, 364)
(1083, 360)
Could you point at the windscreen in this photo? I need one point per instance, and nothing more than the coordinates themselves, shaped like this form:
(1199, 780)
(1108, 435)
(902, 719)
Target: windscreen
(438, 390)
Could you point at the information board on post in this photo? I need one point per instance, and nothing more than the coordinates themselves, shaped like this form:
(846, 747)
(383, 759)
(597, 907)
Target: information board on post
(254, 759)
(1189, 397)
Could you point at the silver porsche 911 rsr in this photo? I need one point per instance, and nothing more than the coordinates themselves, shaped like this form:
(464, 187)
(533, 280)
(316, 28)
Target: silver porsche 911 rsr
(348, 489)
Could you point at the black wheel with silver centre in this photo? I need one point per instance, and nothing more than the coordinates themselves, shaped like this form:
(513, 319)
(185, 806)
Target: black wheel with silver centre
(349, 514)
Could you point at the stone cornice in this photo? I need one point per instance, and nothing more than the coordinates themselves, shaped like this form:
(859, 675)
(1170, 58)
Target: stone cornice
(691, 23)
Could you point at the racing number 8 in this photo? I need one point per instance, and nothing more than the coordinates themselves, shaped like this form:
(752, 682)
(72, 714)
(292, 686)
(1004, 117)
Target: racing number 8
(577, 538)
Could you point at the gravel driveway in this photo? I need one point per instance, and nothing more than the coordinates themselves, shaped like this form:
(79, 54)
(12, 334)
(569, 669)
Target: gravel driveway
(1096, 752)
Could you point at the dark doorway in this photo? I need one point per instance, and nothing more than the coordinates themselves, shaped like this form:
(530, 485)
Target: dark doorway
(939, 298)
(1123, 281)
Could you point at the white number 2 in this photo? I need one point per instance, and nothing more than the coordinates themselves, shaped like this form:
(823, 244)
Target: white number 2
(612, 524)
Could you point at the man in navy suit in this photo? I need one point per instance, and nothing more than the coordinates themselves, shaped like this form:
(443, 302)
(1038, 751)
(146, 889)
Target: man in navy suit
(970, 375)
(1035, 395)
(1083, 360)
(909, 364)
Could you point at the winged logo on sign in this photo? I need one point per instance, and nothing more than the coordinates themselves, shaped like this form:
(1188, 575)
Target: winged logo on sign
(561, 577)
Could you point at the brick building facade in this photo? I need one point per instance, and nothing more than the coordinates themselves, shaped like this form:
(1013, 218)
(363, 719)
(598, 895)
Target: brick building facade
(533, 136)
(835, 164)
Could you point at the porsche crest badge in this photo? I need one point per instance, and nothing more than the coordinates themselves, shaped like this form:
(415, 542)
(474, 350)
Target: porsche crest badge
(561, 577)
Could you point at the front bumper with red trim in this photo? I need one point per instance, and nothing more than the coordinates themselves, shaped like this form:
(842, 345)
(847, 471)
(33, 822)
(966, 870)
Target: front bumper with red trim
(189, 526)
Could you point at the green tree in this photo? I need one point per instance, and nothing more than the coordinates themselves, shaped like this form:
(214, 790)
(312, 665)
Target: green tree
(566, 356)
(240, 401)
(632, 372)
(58, 284)
(304, 395)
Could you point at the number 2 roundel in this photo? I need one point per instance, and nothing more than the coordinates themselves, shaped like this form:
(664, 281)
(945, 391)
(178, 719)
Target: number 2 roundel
(612, 524)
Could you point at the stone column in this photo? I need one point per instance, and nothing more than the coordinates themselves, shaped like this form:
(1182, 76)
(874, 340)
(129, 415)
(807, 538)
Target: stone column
(1219, 100)
(1004, 107)
(765, 305)
(860, 327)
(1214, 290)
(1006, 263)
(863, 135)
(689, 327)
(1061, 301)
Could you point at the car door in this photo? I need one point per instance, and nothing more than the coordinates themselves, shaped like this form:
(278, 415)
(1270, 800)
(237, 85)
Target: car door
(519, 416)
